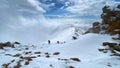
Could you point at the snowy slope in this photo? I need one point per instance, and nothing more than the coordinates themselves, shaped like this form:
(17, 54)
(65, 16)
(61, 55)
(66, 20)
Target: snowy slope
(85, 48)
(25, 23)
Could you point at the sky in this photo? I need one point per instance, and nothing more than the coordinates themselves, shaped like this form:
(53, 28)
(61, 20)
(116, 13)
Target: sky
(26, 19)
(21, 20)
(75, 7)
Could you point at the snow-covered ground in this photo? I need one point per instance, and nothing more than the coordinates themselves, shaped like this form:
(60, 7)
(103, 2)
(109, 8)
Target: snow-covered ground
(23, 21)
(85, 48)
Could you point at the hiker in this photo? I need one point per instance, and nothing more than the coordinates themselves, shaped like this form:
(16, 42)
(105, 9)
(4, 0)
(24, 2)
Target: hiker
(74, 38)
(58, 42)
(48, 41)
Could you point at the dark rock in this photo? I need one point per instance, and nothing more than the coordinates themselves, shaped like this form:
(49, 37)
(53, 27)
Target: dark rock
(5, 65)
(109, 65)
(47, 56)
(51, 65)
(116, 38)
(90, 30)
(115, 54)
(105, 43)
(29, 58)
(104, 27)
(59, 59)
(112, 44)
(74, 38)
(1, 46)
(21, 57)
(28, 52)
(96, 24)
(106, 9)
(103, 50)
(71, 67)
(27, 63)
(38, 55)
(95, 28)
(46, 53)
(8, 54)
(26, 48)
(118, 6)
(37, 52)
(17, 43)
(75, 59)
(6, 44)
(117, 48)
(56, 53)
(18, 64)
(17, 55)
(12, 61)
(112, 18)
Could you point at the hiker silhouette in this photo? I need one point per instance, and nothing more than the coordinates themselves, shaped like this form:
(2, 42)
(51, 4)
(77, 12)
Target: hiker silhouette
(48, 41)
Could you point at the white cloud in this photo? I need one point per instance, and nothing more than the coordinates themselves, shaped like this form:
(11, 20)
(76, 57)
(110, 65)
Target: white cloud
(15, 25)
(36, 4)
(89, 7)
(11, 10)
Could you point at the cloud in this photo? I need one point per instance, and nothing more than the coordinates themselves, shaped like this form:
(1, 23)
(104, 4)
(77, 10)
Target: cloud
(89, 7)
(36, 6)
(12, 10)
(22, 20)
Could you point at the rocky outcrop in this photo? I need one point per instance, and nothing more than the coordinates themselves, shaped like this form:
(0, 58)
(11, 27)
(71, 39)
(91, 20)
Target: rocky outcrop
(111, 19)
(113, 47)
(110, 22)
(95, 28)
(6, 44)
(111, 25)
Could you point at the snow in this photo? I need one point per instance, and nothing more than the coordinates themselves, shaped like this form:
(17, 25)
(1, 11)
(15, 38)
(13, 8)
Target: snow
(25, 23)
(85, 48)
(117, 9)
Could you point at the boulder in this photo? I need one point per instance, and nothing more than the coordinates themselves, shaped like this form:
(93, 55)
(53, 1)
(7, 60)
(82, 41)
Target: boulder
(1, 46)
(96, 24)
(74, 38)
(105, 43)
(16, 42)
(106, 9)
(75, 59)
(37, 52)
(118, 6)
(111, 17)
(56, 53)
(95, 28)
(112, 44)
(117, 48)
